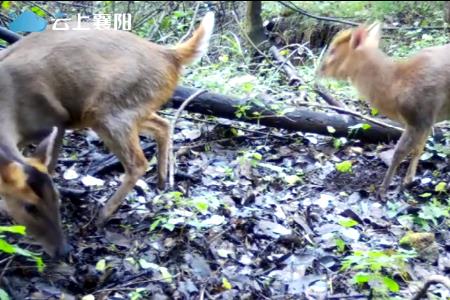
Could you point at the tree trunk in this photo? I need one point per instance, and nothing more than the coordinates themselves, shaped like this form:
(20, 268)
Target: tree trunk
(447, 11)
(254, 24)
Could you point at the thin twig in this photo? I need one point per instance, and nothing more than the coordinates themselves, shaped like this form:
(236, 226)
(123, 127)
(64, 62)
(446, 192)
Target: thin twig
(285, 63)
(147, 16)
(353, 113)
(127, 284)
(192, 23)
(172, 158)
(280, 137)
(10, 259)
(294, 7)
(155, 27)
(73, 4)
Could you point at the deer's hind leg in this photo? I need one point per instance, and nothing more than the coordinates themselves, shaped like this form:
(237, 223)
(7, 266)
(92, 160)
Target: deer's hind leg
(122, 139)
(159, 128)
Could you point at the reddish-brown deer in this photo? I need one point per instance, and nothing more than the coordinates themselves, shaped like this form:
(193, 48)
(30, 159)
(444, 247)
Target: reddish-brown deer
(414, 91)
(111, 81)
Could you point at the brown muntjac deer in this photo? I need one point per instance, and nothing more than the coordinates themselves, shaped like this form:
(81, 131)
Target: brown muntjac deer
(111, 81)
(413, 91)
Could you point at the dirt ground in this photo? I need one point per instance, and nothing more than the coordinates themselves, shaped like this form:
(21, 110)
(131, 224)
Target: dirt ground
(257, 217)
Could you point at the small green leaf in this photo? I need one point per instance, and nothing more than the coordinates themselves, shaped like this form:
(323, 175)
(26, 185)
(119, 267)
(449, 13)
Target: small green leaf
(6, 4)
(391, 284)
(348, 223)
(337, 143)
(257, 156)
(14, 229)
(224, 58)
(291, 179)
(166, 276)
(202, 206)
(440, 187)
(39, 263)
(7, 247)
(344, 167)
(331, 129)
(425, 195)
(340, 244)
(374, 112)
(169, 226)
(101, 265)
(155, 224)
(226, 284)
(37, 10)
(363, 126)
(248, 87)
(3, 294)
(284, 52)
(362, 278)
(366, 126)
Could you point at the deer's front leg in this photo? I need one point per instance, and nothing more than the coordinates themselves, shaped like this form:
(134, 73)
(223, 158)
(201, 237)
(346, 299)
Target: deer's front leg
(404, 146)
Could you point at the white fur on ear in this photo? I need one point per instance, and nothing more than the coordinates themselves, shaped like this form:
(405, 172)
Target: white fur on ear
(50, 145)
(374, 30)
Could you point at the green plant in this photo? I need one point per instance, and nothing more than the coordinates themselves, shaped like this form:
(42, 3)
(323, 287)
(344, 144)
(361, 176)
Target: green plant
(344, 167)
(347, 223)
(340, 244)
(138, 294)
(241, 110)
(250, 156)
(11, 249)
(363, 126)
(432, 211)
(376, 268)
(184, 211)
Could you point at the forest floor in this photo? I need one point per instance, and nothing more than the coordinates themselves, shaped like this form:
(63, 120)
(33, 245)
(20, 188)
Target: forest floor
(258, 213)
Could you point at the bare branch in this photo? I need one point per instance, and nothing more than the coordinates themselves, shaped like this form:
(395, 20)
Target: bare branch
(172, 156)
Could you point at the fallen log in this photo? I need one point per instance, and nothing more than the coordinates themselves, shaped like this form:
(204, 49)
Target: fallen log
(299, 120)
(8, 35)
(293, 78)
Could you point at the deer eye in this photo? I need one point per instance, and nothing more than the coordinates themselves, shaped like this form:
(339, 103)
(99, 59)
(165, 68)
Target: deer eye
(31, 209)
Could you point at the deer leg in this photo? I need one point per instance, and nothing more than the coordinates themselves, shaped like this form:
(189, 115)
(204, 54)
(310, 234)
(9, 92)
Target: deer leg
(404, 146)
(159, 128)
(416, 153)
(123, 141)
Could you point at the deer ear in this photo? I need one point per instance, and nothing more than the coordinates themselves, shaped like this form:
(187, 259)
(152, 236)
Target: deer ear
(44, 151)
(358, 37)
(374, 32)
(12, 175)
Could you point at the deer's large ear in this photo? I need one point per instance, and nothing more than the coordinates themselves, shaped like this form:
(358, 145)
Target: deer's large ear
(358, 37)
(12, 175)
(374, 32)
(44, 151)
